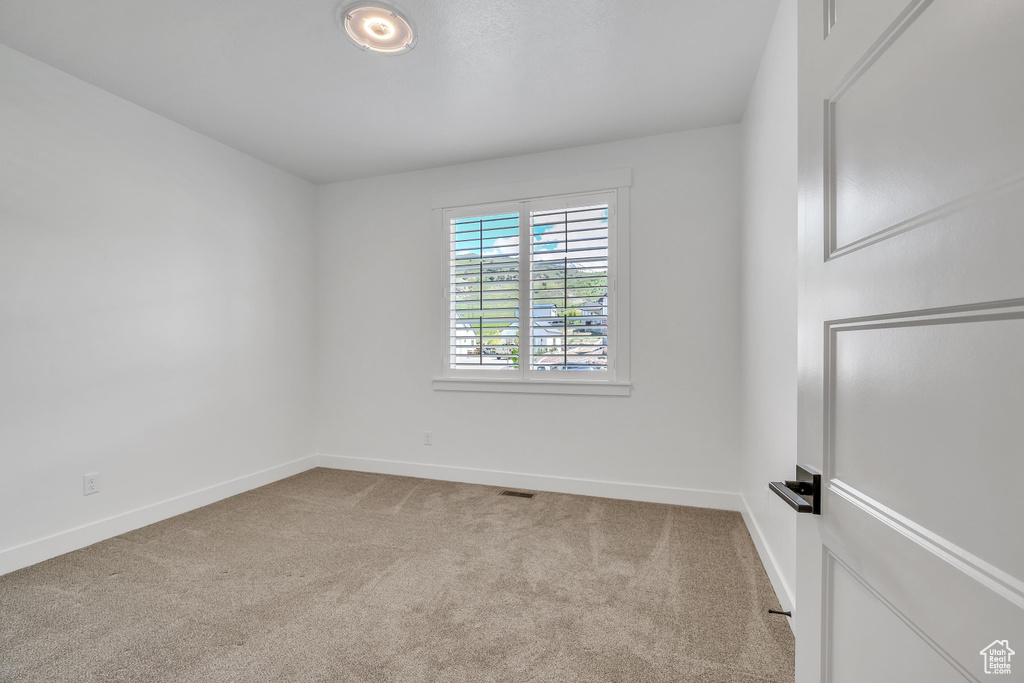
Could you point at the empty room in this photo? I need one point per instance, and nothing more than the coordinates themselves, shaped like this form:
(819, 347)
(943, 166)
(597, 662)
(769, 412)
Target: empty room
(555, 342)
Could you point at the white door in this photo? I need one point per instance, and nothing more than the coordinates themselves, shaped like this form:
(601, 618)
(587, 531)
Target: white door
(911, 389)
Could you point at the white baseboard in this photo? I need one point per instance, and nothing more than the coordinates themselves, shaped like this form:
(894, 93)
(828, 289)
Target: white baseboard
(585, 487)
(87, 534)
(51, 546)
(782, 590)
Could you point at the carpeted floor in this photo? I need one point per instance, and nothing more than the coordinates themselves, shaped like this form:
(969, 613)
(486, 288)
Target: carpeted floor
(343, 576)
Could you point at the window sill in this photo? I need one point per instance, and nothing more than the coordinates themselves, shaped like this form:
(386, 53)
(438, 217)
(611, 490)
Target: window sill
(518, 386)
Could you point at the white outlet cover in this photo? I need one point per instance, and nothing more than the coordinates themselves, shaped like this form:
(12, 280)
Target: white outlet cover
(90, 483)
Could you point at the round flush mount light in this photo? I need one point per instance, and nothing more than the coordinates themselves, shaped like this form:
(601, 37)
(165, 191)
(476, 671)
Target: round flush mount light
(377, 27)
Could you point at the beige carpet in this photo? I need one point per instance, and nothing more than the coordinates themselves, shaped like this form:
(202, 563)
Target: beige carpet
(342, 576)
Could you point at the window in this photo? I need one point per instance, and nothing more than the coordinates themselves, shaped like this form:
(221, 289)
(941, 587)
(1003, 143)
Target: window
(531, 300)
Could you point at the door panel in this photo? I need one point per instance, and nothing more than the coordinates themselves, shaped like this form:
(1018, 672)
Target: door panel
(942, 594)
(948, 389)
(911, 344)
(893, 158)
(854, 653)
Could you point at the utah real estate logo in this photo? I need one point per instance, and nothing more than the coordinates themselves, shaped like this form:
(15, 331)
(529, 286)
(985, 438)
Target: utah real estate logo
(997, 657)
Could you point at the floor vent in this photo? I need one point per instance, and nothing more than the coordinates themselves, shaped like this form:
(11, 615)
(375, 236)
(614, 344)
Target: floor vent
(517, 494)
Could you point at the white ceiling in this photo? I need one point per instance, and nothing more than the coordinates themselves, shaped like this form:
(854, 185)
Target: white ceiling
(279, 80)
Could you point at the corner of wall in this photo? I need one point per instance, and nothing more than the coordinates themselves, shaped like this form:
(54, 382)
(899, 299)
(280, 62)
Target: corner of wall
(768, 290)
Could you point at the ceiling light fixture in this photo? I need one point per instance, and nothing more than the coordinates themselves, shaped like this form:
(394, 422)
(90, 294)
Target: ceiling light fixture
(377, 27)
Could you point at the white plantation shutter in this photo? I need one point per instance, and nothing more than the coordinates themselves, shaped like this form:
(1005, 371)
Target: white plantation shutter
(483, 286)
(569, 288)
(529, 289)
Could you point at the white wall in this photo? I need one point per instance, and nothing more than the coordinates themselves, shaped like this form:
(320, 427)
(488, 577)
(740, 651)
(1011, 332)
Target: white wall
(156, 302)
(769, 288)
(380, 321)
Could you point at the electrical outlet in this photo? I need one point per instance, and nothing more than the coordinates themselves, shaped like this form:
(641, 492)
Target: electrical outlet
(428, 439)
(90, 483)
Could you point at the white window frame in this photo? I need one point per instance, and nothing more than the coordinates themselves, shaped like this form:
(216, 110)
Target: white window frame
(546, 194)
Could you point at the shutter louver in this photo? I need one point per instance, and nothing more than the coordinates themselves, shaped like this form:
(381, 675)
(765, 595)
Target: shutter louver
(569, 289)
(483, 324)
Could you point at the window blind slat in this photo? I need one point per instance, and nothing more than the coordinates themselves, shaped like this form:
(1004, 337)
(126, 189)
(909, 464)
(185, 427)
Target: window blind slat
(559, 260)
(483, 299)
(569, 289)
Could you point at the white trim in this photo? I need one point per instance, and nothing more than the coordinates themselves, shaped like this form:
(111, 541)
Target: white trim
(619, 296)
(62, 542)
(648, 493)
(533, 386)
(533, 189)
(990, 576)
(783, 592)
